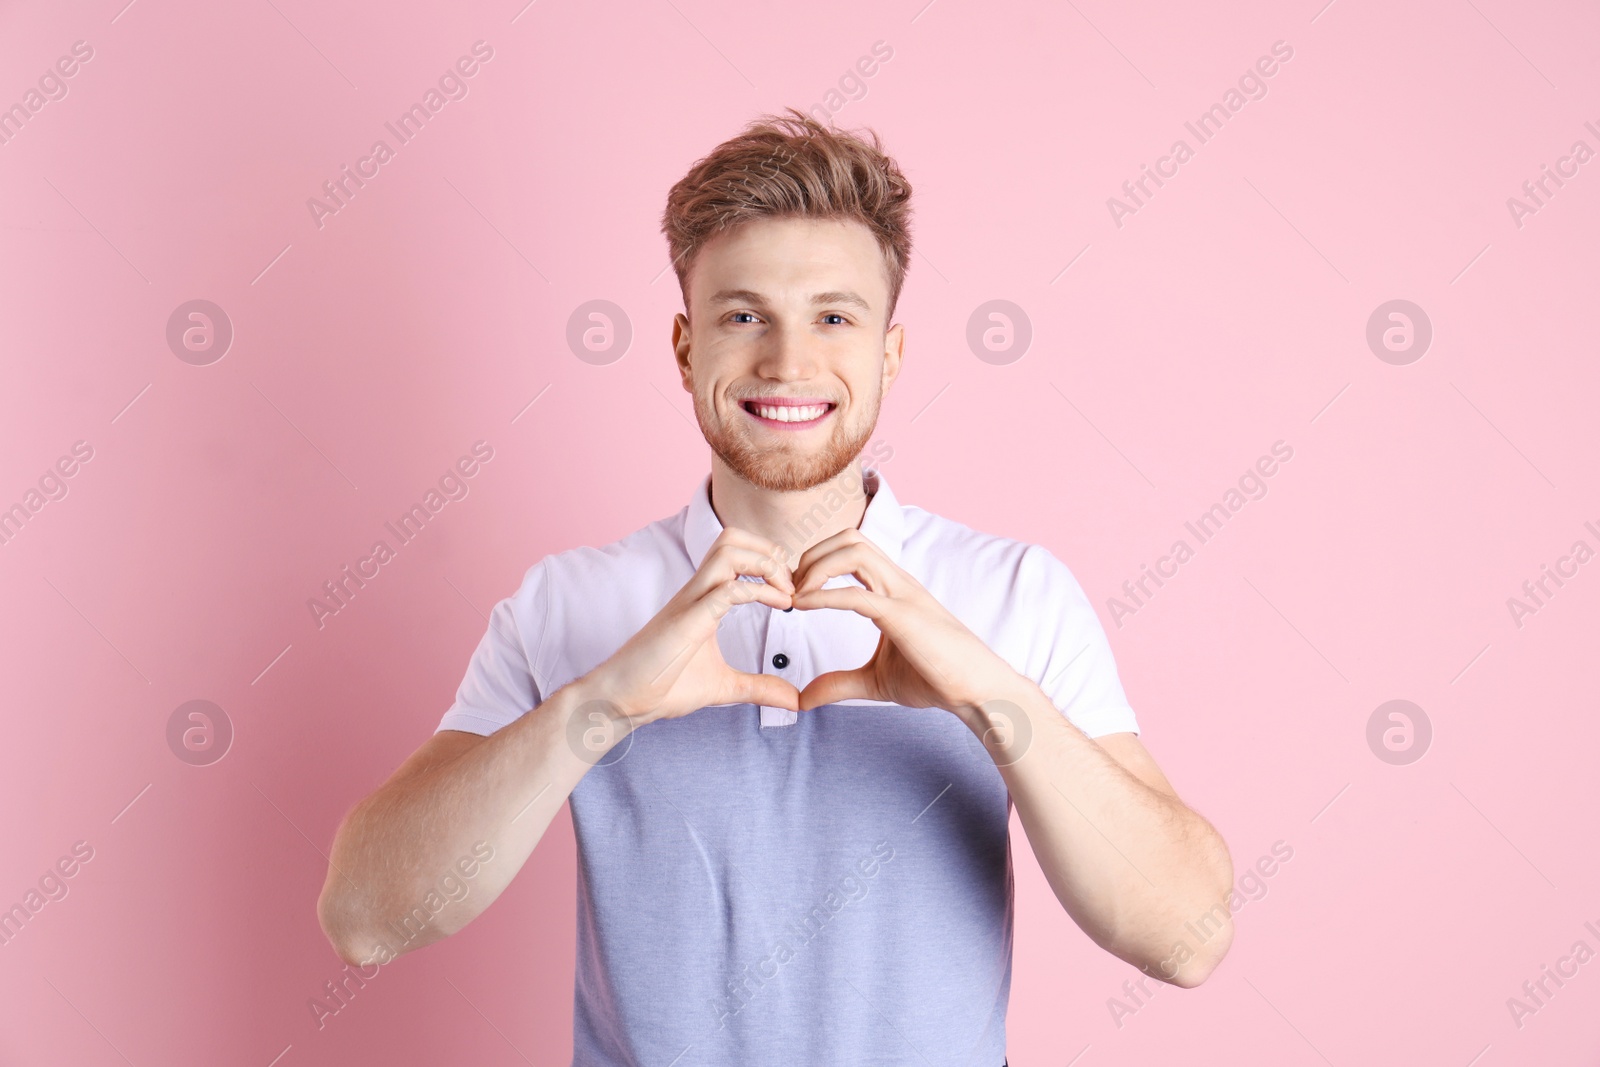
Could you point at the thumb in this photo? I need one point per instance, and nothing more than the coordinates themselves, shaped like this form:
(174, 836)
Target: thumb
(763, 689)
(834, 686)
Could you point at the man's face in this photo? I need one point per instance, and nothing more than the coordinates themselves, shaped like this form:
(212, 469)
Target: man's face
(787, 356)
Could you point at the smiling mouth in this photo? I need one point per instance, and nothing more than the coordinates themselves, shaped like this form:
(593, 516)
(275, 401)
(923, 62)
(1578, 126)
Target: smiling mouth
(789, 413)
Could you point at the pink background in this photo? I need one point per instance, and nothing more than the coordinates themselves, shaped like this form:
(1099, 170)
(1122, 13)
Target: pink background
(1228, 313)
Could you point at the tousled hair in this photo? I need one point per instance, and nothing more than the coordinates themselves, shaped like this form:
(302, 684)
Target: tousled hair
(791, 166)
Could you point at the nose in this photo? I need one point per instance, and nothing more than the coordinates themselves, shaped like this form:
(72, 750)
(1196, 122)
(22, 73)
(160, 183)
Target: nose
(786, 355)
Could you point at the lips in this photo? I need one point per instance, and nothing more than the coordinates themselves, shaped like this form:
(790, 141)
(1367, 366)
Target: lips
(789, 413)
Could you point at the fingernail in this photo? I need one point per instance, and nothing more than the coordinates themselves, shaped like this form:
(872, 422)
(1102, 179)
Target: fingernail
(789, 608)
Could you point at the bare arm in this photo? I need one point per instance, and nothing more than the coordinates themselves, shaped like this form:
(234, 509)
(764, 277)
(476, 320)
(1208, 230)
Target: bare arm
(460, 792)
(1144, 875)
(1133, 865)
(456, 791)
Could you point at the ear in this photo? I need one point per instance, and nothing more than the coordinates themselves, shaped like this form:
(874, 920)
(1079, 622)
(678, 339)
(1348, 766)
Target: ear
(680, 350)
(894, 344)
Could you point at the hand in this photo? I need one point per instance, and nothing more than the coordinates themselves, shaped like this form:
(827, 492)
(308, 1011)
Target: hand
(925, 657)
(673, 666)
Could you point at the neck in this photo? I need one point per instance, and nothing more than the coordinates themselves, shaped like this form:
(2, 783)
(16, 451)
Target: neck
(795, 520)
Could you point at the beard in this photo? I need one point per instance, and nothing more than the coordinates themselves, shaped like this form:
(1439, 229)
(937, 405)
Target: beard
(786, 470)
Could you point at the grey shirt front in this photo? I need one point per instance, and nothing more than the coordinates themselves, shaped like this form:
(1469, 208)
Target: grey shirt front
(759, 888)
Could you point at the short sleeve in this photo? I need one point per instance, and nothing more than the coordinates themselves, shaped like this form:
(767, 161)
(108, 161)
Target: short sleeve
(500, 685)
(1079, 672)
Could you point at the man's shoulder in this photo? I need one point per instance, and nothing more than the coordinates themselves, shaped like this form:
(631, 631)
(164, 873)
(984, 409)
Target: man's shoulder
(576, 606)
(1016, 595)
(1028, 607)
(652, 554)
(948, 553)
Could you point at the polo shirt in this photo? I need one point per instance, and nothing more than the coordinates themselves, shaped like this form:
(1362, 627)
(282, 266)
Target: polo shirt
(757, 886)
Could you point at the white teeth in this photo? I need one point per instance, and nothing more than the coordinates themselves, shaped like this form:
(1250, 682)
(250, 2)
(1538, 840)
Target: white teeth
(791, 414)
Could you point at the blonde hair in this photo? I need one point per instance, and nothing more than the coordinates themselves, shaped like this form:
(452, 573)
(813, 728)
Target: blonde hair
(791, 166)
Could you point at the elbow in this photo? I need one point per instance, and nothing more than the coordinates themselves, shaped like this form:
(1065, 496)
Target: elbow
(1198, 967)
(1182, 939)
(1193, 966)
(1189, 963)
(361, 935)
(1188, 953)
(342, 929)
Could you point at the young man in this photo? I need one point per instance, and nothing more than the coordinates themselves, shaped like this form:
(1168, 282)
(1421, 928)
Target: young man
(792, 719)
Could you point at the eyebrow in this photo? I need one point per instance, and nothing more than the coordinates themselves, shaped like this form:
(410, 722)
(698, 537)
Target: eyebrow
(749, 296)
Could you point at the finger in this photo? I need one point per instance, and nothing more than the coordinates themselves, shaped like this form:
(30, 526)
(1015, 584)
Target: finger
(733, 592)
(834, 686)
(742, 538)
(726, 560)
(826, 545)
(849, 598)
(773, 557)
(767, 690)
(729, 561)
(865, 561)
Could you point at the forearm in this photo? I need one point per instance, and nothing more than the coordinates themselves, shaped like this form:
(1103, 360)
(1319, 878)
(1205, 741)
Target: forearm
(394, 847)
(1135, 868)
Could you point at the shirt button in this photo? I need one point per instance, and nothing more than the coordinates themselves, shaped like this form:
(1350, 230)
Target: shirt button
(780, 661)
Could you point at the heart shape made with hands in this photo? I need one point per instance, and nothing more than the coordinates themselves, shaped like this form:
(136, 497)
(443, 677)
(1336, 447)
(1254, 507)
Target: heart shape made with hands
(915, 632)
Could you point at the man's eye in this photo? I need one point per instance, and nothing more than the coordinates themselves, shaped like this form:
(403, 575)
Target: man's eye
(833, 315)
(736, 314)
